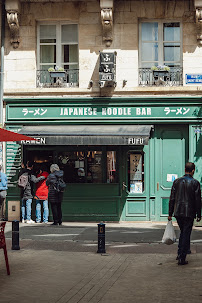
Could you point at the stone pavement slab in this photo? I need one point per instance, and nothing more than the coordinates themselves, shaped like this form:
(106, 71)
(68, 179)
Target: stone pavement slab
(60, 276)
(59, 265)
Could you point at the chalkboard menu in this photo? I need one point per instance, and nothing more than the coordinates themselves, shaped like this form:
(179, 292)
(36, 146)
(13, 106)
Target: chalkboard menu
(13, 162)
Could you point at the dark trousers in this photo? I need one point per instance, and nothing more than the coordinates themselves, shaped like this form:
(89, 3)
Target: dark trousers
(57, 212)
(2, 208)
(185, 225)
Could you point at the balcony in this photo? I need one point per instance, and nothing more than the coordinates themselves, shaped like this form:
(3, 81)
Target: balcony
(173, 77)
(69, 78)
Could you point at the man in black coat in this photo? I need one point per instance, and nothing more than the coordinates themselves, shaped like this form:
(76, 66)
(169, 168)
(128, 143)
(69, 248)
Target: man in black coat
(55, 197)
(185, 203)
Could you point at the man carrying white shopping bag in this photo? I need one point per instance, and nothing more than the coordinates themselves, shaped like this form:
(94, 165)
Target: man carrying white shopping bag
(185, 203)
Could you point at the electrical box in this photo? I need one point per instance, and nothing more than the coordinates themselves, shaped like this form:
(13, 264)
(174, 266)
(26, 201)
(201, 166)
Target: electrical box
(13, 210)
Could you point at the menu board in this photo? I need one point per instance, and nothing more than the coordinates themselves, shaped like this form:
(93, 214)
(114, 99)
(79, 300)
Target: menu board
(13, 162)
(135, 167)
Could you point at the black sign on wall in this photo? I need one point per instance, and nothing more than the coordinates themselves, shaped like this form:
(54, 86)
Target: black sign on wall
(107, 69)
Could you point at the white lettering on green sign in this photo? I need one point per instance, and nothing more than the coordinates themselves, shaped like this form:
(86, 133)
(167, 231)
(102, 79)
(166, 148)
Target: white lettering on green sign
(105, 111)
(114, 111)
(78, 111)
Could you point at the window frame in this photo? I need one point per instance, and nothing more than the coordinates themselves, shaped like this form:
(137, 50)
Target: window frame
(160, 41)
(58, 43)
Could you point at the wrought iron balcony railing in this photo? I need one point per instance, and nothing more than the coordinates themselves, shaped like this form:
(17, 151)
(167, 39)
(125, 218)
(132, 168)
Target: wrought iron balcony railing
(173, 77)
(68, 78)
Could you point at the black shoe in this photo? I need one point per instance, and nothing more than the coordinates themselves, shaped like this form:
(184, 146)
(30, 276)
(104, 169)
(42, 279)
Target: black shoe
(178, 257)
(182, 262)
(60, 223)
(54, 223)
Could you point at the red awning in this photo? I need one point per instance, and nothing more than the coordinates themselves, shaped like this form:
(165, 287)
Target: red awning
(6, 135)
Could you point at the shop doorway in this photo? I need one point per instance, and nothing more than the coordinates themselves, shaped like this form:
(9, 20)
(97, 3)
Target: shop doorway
(171, 154)
(135, 184)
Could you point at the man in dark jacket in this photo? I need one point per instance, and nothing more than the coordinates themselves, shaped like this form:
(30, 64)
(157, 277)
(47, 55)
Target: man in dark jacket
(185, 203)
(27, 192)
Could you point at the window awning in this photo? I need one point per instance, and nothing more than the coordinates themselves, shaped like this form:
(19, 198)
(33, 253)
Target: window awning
(88, 134)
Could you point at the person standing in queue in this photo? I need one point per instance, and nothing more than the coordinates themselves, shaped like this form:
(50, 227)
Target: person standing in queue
(27, 190)
(41, 196)
(55, 196)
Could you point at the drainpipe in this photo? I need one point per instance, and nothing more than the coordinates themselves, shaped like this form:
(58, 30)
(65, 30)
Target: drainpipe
(2, 60)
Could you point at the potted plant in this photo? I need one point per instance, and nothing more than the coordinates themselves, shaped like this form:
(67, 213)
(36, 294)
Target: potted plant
(57, 72)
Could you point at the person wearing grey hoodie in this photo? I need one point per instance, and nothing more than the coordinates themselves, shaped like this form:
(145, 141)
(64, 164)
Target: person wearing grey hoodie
(55, 197)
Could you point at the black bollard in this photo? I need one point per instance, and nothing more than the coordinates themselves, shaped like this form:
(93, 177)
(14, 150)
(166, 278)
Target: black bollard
(15, 235)
(101, 238)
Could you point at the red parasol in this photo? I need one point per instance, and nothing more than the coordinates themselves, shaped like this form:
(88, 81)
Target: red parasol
(7, 135)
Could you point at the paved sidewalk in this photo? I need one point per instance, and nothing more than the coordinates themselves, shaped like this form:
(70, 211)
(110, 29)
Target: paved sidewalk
(54, 270)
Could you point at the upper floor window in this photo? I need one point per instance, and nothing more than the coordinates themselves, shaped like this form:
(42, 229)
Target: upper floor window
(58, 47)
(160, 44)
(160, 53)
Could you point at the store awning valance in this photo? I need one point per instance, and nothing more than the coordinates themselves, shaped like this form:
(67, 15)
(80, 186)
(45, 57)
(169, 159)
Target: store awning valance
(88, 134)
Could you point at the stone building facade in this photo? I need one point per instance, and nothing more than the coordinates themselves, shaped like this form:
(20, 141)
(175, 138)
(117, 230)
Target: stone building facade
(147, 90)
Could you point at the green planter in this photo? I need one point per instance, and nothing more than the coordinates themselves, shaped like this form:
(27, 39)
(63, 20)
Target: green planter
(58, 74)
(160, 73)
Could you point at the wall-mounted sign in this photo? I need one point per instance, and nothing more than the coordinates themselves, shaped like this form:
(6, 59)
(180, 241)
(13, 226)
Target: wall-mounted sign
(193, 78)
(136, 188)
(59, 112)
(107, 69)
(171, 177)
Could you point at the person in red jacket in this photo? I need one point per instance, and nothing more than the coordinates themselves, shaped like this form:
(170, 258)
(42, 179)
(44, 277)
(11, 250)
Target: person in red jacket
(41, 195)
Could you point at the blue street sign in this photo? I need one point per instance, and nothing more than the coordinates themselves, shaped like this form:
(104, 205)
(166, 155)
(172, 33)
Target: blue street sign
(193, 78)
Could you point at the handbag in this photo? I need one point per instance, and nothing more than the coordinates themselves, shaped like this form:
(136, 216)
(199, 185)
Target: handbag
(169, 236)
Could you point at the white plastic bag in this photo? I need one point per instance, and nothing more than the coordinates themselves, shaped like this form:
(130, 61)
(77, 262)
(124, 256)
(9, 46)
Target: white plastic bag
(169, 236)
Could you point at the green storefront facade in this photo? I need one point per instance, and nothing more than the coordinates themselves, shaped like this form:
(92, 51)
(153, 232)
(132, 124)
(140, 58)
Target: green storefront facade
(120, 155)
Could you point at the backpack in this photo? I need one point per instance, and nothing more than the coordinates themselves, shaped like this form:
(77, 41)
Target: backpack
(60, 185)
(23, 180)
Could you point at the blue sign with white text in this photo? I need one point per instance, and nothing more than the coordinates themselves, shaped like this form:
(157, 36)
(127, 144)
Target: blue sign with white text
(193, 79)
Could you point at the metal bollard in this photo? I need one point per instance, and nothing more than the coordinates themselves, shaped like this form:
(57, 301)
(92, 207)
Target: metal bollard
(101, 238)
(15, 235)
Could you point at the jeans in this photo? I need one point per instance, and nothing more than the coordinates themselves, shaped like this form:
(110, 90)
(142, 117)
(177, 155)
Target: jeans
(185, 225)
(26, 203)
(45, 211)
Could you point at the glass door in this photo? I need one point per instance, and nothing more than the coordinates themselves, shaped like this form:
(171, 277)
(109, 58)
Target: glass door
(135, 185)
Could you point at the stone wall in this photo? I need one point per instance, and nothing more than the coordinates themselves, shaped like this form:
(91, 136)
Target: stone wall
(20, 63)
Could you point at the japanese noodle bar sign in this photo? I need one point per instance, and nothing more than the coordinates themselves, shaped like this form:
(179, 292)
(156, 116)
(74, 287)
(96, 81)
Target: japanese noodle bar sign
(100, 112)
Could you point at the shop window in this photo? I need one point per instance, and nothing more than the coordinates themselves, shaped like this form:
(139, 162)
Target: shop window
(160, 44)
(111, 167)
(135, 172)
(94, 167)
(88, 166)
